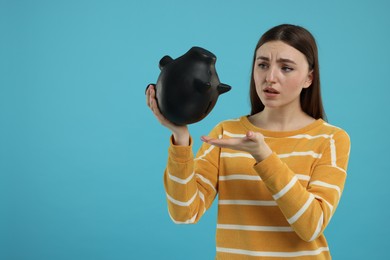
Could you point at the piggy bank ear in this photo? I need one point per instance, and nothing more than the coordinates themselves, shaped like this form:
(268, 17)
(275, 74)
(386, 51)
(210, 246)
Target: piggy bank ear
(164, 61)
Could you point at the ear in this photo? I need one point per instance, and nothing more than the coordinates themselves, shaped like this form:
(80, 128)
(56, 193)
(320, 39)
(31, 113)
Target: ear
(309, 80)
(164, 61)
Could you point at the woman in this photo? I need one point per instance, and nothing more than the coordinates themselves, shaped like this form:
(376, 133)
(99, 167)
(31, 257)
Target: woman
(279, 172)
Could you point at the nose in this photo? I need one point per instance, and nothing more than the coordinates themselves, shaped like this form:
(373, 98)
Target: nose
(270, 76)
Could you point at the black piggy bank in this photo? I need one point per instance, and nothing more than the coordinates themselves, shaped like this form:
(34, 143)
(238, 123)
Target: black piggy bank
(188, 87)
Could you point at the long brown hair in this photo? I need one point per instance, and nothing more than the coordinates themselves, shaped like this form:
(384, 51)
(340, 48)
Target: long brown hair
(302, 40)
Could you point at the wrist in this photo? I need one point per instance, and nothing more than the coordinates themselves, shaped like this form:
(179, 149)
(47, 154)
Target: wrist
(181, 139)
(262, 154)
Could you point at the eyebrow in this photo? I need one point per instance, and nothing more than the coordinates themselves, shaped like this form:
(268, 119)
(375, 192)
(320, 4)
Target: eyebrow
(281, 60)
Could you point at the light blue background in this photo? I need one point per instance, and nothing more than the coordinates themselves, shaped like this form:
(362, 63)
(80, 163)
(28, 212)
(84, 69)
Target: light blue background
(82, 157)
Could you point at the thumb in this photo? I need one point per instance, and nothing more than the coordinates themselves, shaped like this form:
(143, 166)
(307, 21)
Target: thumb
(250, 135)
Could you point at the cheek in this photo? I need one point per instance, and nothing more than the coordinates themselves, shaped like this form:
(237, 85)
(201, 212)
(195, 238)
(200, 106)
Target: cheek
(258, 82)
(258, 77)
(294, 84)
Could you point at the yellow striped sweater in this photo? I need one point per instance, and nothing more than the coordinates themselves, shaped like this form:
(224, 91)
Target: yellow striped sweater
(275, 209)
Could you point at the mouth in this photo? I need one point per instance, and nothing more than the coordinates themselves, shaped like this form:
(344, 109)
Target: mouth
(270, 90)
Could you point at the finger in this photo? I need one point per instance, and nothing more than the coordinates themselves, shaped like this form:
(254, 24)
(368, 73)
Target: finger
(149, 91)
(157, 113)
(152, 96)
(148, 87)
(250, 136)
(253, 136)
(205, 138)
(232, 143)
(148, 97)
(154, 107)
(152, 87)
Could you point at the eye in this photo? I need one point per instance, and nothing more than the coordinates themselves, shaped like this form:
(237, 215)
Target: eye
(262, 65)
(287, 69)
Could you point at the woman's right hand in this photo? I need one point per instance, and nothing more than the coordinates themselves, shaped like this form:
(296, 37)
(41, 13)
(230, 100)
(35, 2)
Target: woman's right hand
(181, 135)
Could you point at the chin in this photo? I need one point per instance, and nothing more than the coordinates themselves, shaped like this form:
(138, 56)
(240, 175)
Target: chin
(271, 103)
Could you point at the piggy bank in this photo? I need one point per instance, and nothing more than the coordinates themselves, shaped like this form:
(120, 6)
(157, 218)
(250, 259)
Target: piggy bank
(188, 87)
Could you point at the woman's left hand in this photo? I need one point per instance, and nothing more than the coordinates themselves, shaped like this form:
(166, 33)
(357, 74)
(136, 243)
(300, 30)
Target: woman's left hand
(252, 143)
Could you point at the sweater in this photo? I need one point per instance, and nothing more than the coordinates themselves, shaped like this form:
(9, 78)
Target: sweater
(275, 209)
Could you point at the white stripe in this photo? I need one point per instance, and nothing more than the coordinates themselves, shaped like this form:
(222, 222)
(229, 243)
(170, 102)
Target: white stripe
(233, 119)
(182, 203)
(248, 202)
(311, 153)
(336, 167)
(272, 254)
(309, 136)
(302, 210)
(286, 188)
(233, 135)
(255, 228)
(327, 124)
(255, 178)
(201, 195)
(201, 159)
(188, 221)
(239, 177)
(231, 155)
(205, 153)
(332, 152)
(326, 185)
(341, 169)
(303, 177)
(207, 181)
(181, 181)
(319, 227)
(327, 203)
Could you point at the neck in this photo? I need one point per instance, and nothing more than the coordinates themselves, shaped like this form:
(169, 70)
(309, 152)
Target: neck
(279, 119)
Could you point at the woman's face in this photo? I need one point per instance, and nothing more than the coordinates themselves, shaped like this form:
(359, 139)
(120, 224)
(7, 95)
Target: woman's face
(280, 73)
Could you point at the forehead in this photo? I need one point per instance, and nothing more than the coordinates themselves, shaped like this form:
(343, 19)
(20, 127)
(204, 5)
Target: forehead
(280, 50)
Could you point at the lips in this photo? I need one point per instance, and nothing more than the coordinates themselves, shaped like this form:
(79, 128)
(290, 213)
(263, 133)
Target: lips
(270, 90)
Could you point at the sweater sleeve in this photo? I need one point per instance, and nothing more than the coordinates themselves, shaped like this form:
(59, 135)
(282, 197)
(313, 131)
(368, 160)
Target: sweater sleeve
(309, 209)
(191, 184)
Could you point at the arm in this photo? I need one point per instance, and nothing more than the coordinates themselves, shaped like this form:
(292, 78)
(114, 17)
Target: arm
(191, 184)
(309, 210)
(189, 192)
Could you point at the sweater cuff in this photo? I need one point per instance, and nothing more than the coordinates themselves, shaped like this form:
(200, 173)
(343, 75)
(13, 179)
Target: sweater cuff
(179, 153)
(266, 168)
